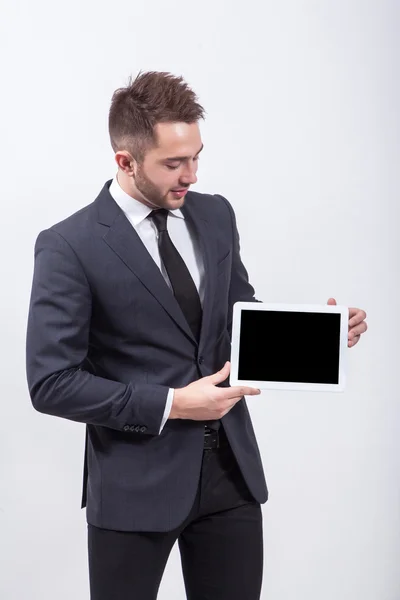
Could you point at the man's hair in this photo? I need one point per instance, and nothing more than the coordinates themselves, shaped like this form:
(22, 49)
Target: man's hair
(152, 98)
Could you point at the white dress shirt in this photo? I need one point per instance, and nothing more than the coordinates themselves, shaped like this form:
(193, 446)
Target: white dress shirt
(183, 240)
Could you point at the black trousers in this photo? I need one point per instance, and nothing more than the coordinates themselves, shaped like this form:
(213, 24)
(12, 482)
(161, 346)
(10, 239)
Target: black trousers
(220, 544)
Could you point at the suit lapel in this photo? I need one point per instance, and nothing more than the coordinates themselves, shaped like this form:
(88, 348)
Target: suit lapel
(126, 243)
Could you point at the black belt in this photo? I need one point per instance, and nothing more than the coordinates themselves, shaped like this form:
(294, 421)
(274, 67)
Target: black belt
(214, 438)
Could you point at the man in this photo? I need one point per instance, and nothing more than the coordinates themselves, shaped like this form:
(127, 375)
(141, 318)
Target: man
(129, 332)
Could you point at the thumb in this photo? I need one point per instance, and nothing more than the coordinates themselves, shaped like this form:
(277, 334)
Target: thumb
(221, 375)
(332, 302)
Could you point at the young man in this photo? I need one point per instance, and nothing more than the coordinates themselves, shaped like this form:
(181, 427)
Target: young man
(129, 332)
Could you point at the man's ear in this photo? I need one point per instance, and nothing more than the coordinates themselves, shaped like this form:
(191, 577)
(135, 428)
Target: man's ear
(126, 162)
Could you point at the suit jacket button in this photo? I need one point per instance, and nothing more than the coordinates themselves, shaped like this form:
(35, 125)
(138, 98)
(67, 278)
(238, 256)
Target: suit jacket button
(132, 428)
(143, 429)
(137, 428)
(201, 360)
(126, 428)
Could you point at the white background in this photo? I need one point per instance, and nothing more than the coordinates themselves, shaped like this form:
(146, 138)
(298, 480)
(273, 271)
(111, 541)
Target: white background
(302, 136)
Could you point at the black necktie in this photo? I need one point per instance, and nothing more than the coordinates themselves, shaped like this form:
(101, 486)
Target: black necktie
(182, 283)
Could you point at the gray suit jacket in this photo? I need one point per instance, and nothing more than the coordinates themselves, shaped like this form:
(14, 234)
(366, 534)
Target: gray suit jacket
(105, 341)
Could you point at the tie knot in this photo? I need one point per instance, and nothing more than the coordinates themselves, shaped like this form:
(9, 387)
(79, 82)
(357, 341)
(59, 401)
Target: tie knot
(159, 217)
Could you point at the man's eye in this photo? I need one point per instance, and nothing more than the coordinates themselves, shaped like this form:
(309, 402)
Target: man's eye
(172, 168)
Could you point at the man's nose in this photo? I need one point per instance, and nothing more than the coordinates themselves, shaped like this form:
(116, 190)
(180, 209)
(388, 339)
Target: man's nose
(189, 177)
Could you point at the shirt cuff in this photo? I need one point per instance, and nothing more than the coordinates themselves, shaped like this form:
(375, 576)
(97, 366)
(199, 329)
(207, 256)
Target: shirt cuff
(168, 406)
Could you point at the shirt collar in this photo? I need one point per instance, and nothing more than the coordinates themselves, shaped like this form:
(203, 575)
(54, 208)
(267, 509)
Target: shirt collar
(135, 210)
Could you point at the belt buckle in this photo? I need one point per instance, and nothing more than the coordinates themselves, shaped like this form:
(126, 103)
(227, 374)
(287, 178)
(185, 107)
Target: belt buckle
(211, 439)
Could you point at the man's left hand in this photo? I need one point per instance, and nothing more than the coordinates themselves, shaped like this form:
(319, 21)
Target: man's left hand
(357, 323)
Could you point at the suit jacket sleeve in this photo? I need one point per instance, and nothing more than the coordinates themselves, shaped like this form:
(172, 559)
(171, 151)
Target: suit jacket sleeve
(240, 289)
(57, 344)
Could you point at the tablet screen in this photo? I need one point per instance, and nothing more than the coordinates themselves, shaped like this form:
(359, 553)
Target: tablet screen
(285, 346)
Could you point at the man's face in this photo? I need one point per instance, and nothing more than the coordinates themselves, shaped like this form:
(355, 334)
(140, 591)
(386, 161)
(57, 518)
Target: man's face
(167, 171)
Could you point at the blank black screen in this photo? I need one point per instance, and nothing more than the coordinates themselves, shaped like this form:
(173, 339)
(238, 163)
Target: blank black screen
(298, 347)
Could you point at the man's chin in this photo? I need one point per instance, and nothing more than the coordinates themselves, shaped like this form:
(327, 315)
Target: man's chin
(171, 201)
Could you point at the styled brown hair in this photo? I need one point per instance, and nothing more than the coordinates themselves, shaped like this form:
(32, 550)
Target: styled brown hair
(153, 97)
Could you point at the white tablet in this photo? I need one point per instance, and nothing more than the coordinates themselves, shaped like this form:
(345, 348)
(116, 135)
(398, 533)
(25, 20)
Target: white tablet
(289, 346)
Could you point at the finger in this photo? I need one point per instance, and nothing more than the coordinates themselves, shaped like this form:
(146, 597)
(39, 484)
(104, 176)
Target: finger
(354, 341)
(331, 302)
(239, 391)
(251, 392)
(357, 331)
(221, 375)
(356, 316)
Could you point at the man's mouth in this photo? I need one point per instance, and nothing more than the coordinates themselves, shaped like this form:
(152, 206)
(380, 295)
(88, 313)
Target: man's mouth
(180, 192)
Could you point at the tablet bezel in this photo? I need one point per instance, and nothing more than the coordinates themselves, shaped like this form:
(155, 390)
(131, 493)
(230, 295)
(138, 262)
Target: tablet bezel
(281, 385)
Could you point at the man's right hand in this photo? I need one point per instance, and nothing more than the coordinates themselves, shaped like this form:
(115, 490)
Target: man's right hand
(202, 400)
